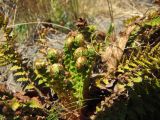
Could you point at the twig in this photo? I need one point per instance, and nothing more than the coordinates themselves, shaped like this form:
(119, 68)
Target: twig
(113, 35)
(72, 111)
(82, 101)
(15, 12)
(30, 23)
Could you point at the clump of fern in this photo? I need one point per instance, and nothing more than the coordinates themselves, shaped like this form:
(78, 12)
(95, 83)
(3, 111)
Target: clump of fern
(9, 54)
(78, 61)
(137, 85)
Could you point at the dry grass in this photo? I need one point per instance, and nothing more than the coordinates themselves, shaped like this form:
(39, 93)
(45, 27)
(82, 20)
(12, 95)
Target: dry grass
(96, 10)
(122, 9)
(33, 9)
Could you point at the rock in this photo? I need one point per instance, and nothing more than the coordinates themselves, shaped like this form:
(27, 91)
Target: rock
(7, 78)
(29, 51)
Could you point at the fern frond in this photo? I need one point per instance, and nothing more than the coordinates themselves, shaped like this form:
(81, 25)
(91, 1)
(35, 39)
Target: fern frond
(15, 68)
(22, 79)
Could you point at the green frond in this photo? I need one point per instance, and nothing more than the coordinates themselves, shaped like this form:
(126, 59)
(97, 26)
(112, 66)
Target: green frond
(29, 86)
(22, 79)
(15, 68)
(140, 75)
(20, 73)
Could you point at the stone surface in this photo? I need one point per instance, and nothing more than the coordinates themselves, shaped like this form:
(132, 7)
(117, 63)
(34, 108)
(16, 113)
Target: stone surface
(29, 52)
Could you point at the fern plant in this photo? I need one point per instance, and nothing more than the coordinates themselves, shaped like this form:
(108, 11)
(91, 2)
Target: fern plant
(137, 85)
(78, 60)
(9, 54)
